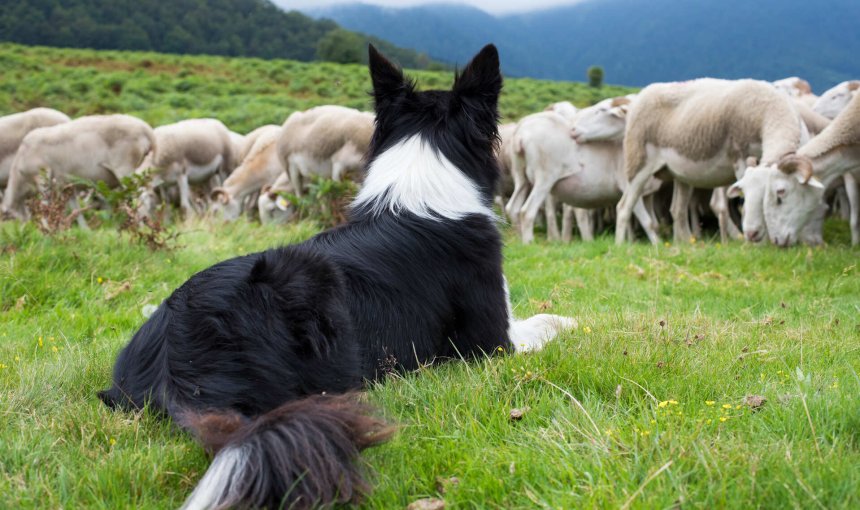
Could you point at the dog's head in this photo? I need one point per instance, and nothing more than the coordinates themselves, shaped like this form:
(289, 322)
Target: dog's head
(461, 123)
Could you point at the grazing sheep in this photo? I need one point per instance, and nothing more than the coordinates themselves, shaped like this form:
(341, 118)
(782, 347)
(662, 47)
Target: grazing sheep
(585, 176)
(563, 111)
(271, 206)
(329, 141)
(260, 167)
(13, 129)
(837, 98)
(97, 148)
(794, 187)
(700, 133)
(190, 152)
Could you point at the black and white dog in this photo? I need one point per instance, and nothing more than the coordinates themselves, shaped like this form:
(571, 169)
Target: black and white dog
(256, 355)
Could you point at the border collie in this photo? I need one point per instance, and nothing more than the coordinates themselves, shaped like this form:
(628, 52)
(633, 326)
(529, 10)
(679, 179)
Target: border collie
(256, 355)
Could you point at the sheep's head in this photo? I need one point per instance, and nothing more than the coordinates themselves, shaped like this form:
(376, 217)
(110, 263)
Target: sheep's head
(604, 121)
(752, 188)
(836, 99)
(793, 198)
(224, 205)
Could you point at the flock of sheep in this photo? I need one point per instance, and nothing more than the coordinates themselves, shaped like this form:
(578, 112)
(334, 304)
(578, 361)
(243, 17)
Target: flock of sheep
(196, 164)
(776, 144)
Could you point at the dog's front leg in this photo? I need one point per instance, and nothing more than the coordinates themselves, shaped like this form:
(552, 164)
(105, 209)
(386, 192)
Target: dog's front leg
(533, 333)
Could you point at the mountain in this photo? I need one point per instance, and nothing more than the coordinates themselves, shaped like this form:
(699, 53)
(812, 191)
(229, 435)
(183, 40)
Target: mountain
(253, 28)
(636, 42)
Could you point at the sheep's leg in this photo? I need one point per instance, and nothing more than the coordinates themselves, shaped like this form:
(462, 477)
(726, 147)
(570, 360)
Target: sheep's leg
(549, 209)
(681, 195)
(646, 220)
(631, 195)
(184, 195)
(695, 219)
(521, 189)
(295, 174)
(584, 223)
(851, 189)
(529, 211)
(720, 206)
(75, 205)
(567, 212)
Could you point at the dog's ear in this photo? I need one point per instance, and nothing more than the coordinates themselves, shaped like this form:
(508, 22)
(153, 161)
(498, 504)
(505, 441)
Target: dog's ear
(388, 81)
(481, 77)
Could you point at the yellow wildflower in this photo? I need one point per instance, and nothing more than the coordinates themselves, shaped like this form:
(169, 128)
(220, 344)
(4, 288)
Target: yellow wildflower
(693, 240)
(17, 358)
(723, 418)
(663, 403)
(727, 406)
(834, 385)
(667, 244)
(112, 441)
(738, 406)
(673, 402)
(100, 280)
(609, 432)
(709, 402)
(54, 348)
(653, 421)
(709, 421)
(587, 329)
(40, 342)
(645, 433)
(2, 366)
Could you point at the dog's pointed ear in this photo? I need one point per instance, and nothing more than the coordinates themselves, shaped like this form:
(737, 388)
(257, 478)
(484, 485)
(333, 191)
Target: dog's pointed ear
(482, 76)
(387, 78)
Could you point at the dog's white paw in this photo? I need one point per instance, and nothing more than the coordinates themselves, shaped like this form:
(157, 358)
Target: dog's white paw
(533, 333)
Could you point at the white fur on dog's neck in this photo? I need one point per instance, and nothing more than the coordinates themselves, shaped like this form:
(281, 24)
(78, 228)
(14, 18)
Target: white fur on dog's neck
(414, 177)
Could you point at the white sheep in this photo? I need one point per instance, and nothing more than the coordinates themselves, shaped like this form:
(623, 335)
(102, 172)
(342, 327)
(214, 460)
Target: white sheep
(837, 98)
(13, 129)
(96, 148)
(328, 141)
(700, 133)
(189, 153)
(794, 187)
(260, 167)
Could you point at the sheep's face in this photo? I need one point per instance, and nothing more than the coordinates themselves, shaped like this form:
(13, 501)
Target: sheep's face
(790, 204)
(601, 122)
(836, 99)
(752, 188)
(224, 206)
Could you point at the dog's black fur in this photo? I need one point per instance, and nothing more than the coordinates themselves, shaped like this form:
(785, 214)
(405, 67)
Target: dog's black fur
(242, 351)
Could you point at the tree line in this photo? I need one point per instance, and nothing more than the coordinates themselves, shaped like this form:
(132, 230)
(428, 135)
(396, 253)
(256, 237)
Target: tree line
(248, 28)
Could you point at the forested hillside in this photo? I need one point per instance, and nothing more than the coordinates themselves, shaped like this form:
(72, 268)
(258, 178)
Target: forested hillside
(254, 28)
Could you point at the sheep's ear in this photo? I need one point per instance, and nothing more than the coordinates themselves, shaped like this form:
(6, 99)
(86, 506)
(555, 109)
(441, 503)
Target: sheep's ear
(620, 111)
(751, 162)
(387, 78)
(481, 77)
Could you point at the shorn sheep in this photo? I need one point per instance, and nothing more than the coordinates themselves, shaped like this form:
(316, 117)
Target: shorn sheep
(327, 141)
(700, 133)
(96, 148)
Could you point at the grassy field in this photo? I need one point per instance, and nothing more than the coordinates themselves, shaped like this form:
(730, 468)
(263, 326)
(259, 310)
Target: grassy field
(243, 92)
(642, 406)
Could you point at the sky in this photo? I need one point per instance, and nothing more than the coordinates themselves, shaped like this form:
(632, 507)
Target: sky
(491, 6)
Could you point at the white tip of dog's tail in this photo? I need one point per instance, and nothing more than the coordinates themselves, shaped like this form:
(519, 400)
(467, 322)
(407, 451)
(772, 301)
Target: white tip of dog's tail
(534, 333)
(214, 488)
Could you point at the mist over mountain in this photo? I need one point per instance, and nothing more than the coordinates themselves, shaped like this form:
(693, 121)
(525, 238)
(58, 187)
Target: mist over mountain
(636, 42)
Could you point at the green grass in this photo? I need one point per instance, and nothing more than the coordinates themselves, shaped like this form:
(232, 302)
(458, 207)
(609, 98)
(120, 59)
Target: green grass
(243, 92)
(737, 320)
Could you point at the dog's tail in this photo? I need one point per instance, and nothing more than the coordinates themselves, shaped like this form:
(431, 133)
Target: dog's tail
(302, 454)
